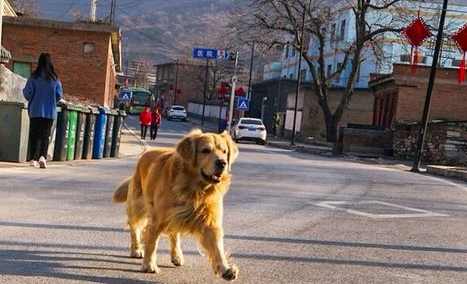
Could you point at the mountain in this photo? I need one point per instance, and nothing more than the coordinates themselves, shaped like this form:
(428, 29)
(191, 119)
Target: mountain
(155, 30)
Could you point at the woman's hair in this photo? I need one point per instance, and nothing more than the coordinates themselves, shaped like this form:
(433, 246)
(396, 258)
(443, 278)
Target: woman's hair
(45, 68)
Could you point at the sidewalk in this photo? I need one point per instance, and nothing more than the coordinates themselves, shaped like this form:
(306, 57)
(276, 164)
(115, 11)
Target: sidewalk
(322, 149)
(459, 173)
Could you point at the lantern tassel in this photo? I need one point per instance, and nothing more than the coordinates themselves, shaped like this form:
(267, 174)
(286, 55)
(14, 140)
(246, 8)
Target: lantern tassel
(462, 69)
(414, 60)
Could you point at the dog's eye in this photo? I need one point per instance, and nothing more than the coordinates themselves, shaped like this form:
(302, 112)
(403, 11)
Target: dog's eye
(225, 151)
(206, 151)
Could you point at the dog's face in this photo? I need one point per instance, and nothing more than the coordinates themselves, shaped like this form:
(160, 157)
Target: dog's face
(211, 155)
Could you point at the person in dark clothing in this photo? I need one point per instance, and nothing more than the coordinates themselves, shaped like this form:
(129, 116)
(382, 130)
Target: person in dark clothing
(144, 122)
(42, 91)
(155, 123)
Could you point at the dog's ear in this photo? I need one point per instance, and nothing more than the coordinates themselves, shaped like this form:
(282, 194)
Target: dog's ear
(187, 148)
(233, 149)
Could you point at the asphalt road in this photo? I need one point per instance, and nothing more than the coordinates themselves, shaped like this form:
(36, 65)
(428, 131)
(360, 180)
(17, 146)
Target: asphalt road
(289, 218)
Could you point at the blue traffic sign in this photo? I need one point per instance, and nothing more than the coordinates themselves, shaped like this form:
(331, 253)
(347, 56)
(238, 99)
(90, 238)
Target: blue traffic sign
(209, 53)
(125, 95)
(242, 104)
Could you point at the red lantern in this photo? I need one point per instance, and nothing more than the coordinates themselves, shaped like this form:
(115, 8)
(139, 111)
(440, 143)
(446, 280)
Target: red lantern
(416, 33)
(222, 90)
(460, 38)
(239, 92)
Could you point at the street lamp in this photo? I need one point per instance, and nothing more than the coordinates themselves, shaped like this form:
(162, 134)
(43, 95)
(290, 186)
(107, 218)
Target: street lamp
(297, 91)
(431, 82)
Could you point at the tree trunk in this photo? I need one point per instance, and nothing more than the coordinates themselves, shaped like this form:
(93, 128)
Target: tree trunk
(332, 126)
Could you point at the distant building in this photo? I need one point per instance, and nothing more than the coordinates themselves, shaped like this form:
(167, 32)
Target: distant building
(272, 71)
(176, 83)
(87, 56)
(394, 48)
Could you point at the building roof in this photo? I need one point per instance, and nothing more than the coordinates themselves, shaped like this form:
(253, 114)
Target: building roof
(114, 32)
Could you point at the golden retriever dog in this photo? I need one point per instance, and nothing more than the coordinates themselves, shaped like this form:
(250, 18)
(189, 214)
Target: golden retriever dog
(180, 191)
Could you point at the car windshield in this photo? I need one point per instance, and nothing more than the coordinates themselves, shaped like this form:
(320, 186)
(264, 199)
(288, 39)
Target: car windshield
(251, 121)
(178, 108)
(141, 98)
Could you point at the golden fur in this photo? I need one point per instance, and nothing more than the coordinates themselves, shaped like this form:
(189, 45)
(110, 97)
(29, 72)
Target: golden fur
(180, 190)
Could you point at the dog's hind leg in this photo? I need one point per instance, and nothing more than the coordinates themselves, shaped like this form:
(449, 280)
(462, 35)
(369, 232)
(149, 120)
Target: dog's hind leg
(176, 254)
(212, 239)
(151, 240)
(136, 233)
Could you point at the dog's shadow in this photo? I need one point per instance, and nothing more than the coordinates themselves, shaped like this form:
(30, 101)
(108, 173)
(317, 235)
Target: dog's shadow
(59, 264)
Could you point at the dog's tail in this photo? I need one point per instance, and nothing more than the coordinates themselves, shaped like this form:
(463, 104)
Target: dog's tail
(121, 192)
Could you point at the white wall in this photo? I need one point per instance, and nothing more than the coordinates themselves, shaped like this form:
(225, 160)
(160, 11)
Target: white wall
(209, 111)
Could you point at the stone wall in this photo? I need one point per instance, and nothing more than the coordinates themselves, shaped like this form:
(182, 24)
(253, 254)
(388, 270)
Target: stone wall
(366, 142)
(445, 143)
(11, 86)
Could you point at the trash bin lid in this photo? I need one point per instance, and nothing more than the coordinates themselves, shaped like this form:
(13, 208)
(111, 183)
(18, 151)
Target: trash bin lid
(13, 104)
(93, 110)
(122, 113)
(113, 112)
(104, 110)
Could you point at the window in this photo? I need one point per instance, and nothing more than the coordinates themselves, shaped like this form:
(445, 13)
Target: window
(22, 68)
(333, 32)
(291, 76)
(293, 51)
(329, 71)
(358, 73)
(287, 51)
(456, 63)
(339, 66)
(88, 47)
(406, 58)
(303, 75)
(342, 33)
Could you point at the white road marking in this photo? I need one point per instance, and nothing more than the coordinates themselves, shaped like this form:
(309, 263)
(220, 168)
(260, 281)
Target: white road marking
(419, 212)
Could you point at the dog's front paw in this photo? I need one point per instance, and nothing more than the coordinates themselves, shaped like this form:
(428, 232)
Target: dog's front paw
(150, 268)
(137, 253)
(177, 260)
(231, 273)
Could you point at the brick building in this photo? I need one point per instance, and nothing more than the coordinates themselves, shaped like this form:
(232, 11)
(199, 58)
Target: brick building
(400, 96)
(86, 56)
(180, 76)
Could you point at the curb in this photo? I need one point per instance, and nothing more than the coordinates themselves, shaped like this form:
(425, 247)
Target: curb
(449, 172)
(322, 151)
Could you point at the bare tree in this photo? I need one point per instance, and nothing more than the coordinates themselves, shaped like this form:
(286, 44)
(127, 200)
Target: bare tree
(278, 22)
(28, 8)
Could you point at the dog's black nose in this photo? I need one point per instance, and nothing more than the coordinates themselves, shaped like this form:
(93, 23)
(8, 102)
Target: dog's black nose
(221, 164)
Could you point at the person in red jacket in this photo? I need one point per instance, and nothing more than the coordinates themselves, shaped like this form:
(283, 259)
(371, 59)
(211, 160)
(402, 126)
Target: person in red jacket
(144, 122)
(155, 123)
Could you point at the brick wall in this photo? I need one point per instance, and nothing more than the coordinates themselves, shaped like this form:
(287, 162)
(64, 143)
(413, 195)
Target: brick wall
(87, 76)
(449, 100)
(359, 111)
(445, 143)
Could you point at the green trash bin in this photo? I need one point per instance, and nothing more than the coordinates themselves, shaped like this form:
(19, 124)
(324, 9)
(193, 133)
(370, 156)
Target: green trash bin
(14, 132)
(109, 132)
(80, 131)
(88, 140)
(116, 136)
(72, 122)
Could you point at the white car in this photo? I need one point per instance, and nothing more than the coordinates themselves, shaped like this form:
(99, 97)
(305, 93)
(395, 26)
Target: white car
(176, 112)
(251, 129)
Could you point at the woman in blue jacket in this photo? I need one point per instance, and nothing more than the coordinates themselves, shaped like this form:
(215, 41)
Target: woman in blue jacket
(42, 91)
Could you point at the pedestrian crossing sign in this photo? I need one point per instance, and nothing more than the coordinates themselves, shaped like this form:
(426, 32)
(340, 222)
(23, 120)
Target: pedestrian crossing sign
(125, 95)
(242, 104)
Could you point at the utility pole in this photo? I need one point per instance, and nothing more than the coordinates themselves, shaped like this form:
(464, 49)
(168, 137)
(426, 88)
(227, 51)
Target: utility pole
(92, 13)
(176, 81)
(205, 93)
(431, 82)
(251, 70)
(302, 44)
(112, 12)
(232, 94)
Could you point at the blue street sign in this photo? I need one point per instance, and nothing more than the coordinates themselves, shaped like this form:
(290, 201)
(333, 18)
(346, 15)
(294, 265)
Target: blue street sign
(209, 53)
(242, 104)
(125, 95)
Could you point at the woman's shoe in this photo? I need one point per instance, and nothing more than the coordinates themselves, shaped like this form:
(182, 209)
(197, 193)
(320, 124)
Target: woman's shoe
(42, 162)
(34, 163)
